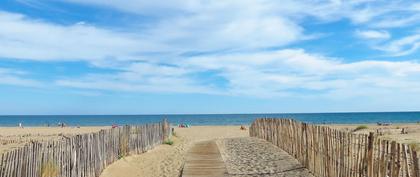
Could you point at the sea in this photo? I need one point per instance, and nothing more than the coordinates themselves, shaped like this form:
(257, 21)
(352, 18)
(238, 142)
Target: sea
(209, 119)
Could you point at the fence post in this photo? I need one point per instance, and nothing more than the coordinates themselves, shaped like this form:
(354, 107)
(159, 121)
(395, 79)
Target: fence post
(370, 154)
(165, 129)
(416, 163)
(331, 152)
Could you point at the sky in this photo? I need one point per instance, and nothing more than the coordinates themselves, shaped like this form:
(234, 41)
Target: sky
(208, 56)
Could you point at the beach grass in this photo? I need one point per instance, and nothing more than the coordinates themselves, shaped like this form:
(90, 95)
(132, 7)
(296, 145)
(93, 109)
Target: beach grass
(123, 148)
(168, 142)
(49, 169)
(361, 127)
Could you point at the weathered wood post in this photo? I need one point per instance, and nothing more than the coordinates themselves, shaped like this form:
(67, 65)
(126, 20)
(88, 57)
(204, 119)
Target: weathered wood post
(370, 154)
(416, 171)
(334, 153)
(167, 133)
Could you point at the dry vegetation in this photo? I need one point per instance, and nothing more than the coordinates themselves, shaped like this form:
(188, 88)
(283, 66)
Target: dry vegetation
(123, 148)
(49, 169)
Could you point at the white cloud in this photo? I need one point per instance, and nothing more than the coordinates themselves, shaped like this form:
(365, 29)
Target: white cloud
(282, 70)
(403, 46)
(141, 77)
(24, 38)
(358, 11)
(397, 22)
(16, 78)
(372, 34)
(289, 72)
(240, 27)
(182, 26)
(320, 9)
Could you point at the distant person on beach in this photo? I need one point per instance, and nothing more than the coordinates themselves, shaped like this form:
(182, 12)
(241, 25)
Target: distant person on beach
(184, 126)
(243, 128)
(62, 125)
(20, 125)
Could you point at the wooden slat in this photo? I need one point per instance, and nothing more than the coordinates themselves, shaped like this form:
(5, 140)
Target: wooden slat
(83, 155)
(204, 160)
(332, 153)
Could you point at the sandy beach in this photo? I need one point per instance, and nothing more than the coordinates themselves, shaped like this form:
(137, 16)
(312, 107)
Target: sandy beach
(248, 157)
(389, 132)
(240, 153)
(12, 137)
(168, 160)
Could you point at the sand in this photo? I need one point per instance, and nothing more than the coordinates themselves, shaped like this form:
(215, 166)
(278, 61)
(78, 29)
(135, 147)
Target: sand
(247, 157)
(241, 154)
(13, 137)
(168, 160)
(391, 132)
(165, 160)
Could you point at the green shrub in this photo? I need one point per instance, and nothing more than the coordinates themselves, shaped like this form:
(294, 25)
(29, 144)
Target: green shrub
(168, 142)
(361, 127)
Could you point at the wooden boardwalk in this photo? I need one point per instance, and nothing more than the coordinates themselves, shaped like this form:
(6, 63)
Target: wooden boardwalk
(204, 160)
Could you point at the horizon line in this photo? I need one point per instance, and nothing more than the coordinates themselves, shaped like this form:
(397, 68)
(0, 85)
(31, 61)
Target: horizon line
(163, 114)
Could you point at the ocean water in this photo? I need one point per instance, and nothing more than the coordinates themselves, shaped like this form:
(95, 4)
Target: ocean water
(209, 119)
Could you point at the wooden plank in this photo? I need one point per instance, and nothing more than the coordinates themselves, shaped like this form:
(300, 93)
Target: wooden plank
(204, 160)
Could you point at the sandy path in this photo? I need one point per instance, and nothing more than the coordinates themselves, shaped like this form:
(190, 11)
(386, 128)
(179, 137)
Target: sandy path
(165, 160)
(246, 157)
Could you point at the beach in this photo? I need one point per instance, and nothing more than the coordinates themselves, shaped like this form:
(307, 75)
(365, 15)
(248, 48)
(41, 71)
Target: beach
(167, 160)
(237, 149)
(388, 132)
(13, 137)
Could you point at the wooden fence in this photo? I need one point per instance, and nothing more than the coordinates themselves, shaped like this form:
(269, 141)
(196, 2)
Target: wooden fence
(327, 152)
(83, 155)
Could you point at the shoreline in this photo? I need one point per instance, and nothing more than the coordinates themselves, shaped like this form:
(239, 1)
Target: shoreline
(194, 124)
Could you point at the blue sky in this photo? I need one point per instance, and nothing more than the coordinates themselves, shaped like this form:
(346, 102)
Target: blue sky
(201, 56)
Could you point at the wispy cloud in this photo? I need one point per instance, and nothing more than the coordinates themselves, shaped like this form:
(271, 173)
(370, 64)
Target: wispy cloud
(26, 38)
(403, 46)
(372, 34)
(288, 72)
(397, 22)
(17, 78)
(254, 35)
